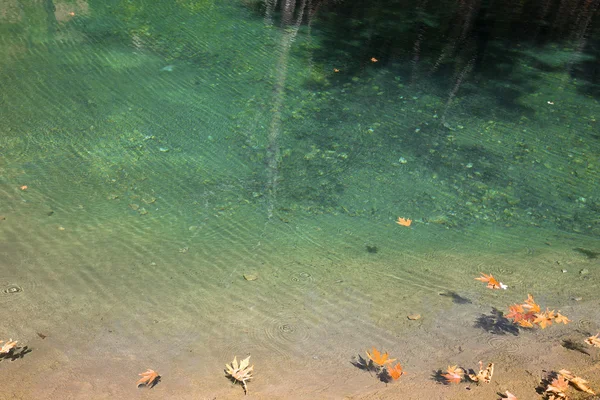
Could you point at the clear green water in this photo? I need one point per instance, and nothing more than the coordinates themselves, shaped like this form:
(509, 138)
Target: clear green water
(169, 148)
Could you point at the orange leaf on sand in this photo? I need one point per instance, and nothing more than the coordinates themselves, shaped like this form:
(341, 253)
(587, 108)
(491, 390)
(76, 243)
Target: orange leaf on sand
(510, 396)
(380, 359)
(149, 378)
(395, 371)
(484, 375)
(404, 221)
(454, 374)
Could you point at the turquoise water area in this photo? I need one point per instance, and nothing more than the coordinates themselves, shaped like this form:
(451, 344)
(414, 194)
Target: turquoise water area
(182, 182)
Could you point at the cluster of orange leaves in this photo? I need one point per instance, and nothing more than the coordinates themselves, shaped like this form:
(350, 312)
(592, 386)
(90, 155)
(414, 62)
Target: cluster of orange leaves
(382, 361)
(529, 314)
(456, 374)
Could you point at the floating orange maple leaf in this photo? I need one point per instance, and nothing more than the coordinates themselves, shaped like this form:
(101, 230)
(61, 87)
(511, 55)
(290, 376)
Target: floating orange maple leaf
(544, 319)
(525, 323)
(492, 283)
(561, 319)
(515, 312)
(594, 340)
(558, 386)
(149, 378)
(531, 305)
(395, 371)
(404, 221)
(579, 383)
(454, 374)
(380, 359)
(8, 346)
(519, 316)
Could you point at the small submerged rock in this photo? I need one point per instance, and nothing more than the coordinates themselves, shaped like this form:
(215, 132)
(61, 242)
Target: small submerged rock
(250, 277)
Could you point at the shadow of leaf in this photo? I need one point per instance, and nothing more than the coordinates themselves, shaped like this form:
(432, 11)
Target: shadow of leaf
(570, 344)
(496, 323)
(456, 298)
(384, 376)
(364, 364)
(546, 380)
(14, 354)
(438, 377)
(587, 252)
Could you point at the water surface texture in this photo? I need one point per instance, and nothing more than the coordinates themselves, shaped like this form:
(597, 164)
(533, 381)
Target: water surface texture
(183, 182)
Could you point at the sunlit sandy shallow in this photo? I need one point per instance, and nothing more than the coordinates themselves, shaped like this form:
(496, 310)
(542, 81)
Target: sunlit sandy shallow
(116, 298)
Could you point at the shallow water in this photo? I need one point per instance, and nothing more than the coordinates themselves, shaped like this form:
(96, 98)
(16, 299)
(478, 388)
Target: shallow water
(155, 154)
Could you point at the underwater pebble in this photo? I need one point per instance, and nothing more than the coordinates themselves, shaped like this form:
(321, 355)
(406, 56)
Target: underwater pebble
(250, 277)
(12, 289)
(414, 317)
